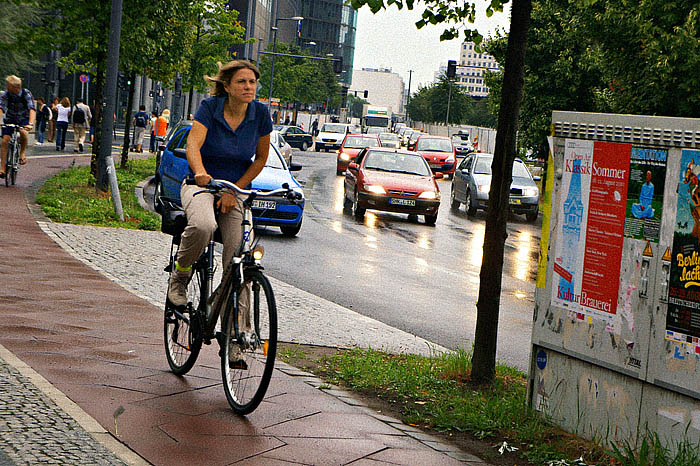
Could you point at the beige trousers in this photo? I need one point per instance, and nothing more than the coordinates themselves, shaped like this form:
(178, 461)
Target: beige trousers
(202, 222)
(79, 135)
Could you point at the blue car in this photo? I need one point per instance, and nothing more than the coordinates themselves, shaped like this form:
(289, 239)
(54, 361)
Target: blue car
(270, 211)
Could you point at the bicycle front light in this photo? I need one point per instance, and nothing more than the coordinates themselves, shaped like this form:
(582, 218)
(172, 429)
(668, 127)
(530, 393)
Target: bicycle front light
(258, 252)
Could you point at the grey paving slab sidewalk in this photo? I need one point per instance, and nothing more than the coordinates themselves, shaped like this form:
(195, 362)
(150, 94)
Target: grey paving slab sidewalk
(135, 260)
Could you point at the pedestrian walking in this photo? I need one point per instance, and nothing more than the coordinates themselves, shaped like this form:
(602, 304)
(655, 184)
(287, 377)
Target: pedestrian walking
(43, 116)
(54, 116)
(286, 120)
(63, 110)
(152, 126)
(81, 116)
(161, 126)
(140, 121)
(314, 128)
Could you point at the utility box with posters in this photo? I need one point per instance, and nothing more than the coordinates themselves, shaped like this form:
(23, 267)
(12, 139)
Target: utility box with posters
(616, 332)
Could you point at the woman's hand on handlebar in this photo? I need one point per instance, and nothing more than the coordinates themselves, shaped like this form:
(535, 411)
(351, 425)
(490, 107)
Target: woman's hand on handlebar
(226, 202)
(202, 179)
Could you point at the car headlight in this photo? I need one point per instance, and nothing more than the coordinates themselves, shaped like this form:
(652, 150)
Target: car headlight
(375, 189)
(484, 188)
(450, 159)
(530, 192)
(429, 195)
(344, 156)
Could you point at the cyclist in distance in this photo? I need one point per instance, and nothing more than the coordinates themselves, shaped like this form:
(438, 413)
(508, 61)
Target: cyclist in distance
(17, 106)
(230, 140)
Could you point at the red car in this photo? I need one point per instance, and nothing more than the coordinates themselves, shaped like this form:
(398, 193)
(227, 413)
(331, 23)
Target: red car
(393, 181)
(352, 144)
(439, 152)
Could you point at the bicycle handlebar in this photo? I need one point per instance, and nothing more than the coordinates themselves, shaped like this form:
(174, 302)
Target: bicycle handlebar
(215, 186)
(12, 125)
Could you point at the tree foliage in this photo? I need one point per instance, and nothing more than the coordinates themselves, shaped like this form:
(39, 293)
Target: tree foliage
(605, 56)
(15, 57)
(355, 105)
(429, 104)
(297, 79)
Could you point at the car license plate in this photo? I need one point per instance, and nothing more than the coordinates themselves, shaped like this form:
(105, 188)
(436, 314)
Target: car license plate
(435, 165)
(258, 204)
(515, 201)
(408, 202)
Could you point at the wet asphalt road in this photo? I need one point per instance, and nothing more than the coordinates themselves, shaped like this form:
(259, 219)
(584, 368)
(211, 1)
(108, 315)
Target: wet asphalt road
(418, 278)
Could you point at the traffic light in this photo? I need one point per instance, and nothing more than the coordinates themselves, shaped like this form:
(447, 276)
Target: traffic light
(451, 68)
(338, 65)
(366, 93)
(120, 81)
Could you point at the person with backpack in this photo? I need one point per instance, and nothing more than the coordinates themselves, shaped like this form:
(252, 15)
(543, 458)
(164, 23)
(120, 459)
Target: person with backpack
(140, 121)
(81, 123)
(17, 107)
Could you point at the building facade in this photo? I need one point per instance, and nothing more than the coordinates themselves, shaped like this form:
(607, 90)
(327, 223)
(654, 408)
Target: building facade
(472, 67)
(384, 88)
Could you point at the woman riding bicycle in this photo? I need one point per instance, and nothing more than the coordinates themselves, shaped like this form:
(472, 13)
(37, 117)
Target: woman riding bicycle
(17, 106)
(230, 140)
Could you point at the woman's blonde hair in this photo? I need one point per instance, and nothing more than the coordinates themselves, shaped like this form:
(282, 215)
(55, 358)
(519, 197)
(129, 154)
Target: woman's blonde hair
(226, 72)
(65, 102)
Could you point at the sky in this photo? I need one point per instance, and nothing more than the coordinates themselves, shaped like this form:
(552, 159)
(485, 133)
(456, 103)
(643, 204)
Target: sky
(390, 39)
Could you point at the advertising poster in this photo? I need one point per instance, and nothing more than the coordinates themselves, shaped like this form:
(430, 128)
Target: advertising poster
(591, 227)
(683, 317)
(647, 176)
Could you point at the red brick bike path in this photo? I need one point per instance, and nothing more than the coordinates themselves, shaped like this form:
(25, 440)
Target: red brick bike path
(103, 347)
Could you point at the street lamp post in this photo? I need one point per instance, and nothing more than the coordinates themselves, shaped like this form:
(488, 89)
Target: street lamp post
(298, 19)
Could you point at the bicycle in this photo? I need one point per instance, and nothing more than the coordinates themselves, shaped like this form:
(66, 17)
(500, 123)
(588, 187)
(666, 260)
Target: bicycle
(187, 328)
(12, 162)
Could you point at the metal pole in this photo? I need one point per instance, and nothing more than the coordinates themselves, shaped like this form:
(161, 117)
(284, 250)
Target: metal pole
(109, 106)
(447, 116)
(272, 68)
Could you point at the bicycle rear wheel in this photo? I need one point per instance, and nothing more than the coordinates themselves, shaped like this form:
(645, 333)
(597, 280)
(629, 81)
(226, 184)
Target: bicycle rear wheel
(182, 327)
(256, 346)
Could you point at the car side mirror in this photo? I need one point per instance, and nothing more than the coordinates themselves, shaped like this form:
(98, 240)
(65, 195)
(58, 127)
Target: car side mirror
(353, 166)
(294, 167)
(182, 153)
(161, 147)
(537, 178)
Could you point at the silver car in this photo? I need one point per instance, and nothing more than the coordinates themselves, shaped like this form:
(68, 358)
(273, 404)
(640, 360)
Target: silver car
(472, 182)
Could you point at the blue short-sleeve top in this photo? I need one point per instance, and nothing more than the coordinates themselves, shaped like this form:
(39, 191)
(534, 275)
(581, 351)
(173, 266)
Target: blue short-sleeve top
(227, 154)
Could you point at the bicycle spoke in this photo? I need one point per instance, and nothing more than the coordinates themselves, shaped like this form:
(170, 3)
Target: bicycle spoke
(183, 338)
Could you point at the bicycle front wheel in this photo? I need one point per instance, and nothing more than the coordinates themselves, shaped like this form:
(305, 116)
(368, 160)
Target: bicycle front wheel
(250, 344)
(182, 328)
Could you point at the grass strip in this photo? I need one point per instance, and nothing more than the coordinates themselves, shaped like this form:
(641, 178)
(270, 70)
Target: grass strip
(70, 197)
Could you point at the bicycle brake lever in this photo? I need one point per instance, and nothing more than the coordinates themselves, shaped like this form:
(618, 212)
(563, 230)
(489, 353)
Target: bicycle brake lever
(211, 191)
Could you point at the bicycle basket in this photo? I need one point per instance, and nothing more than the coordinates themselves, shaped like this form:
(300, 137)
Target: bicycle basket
(173, 219)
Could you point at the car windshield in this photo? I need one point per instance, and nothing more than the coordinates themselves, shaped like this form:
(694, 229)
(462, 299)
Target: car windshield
(277, 127)
(397, 162)
(331, 128)
(358, 142)
(434, 145)
(483, 165)
(520, 170)
(388, 137)
(274, 160)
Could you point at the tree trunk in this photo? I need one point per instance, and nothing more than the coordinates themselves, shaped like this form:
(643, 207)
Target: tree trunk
(127, 122)
(484, 357)
(99, 96)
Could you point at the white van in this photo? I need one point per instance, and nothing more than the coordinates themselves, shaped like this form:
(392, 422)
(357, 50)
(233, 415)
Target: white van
(331, 135)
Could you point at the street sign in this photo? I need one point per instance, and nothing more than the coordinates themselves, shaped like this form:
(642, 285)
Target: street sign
(275, 100)
(84, 78)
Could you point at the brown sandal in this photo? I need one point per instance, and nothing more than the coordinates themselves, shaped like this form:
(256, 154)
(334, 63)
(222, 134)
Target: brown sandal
(23, 160)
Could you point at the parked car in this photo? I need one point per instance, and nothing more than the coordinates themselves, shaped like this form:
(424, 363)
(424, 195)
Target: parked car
(438, 151)
(472, 182)
(391, 180)
(276, 139)
(272, 211)
(462, 143)
(331, 135)
(296, 137)
(389, 140)
(352, 144)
